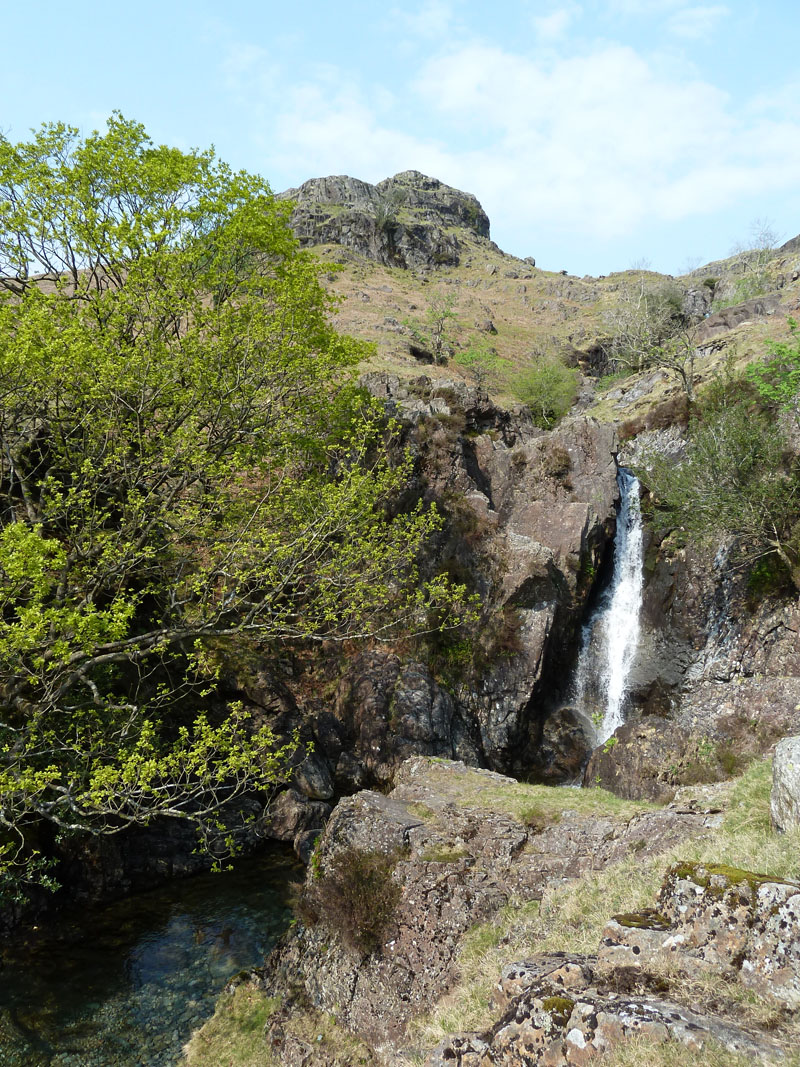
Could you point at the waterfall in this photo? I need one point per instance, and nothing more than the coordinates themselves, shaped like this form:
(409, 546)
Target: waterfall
(611, 635)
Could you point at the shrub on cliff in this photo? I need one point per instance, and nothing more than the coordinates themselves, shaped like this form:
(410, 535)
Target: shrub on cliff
(738, 480)
(184, 462)
(548, 389)
(356, 896)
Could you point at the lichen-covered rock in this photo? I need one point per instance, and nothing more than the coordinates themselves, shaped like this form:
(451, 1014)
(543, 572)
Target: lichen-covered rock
(718, 918)
(553, 1023)
(784, 803)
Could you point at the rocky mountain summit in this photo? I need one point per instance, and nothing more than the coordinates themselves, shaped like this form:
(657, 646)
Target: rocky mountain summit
(409, 220)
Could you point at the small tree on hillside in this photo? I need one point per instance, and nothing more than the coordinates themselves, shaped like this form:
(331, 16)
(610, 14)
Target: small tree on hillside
(548, 389)
(434, 333)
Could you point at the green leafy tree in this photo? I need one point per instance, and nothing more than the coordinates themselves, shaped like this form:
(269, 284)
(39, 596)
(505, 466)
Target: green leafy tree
(434, 333)
(777, 379)
(482, 363)
(184, 462)
(737, 481)
(548, 389)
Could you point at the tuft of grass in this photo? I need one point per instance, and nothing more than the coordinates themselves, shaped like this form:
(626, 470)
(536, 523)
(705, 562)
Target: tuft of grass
(235, 1032)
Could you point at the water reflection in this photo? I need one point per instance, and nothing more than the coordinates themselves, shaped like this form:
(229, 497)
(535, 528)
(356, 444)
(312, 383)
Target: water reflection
(126, 984)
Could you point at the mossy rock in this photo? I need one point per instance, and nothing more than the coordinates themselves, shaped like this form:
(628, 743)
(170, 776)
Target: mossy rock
(705, 874)
(559, 1009)
(646, 919)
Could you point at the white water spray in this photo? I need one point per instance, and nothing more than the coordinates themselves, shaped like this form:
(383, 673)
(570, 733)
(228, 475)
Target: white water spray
(611, 636)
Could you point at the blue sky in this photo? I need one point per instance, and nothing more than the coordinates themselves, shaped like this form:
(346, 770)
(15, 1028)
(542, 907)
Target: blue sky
(598, 134)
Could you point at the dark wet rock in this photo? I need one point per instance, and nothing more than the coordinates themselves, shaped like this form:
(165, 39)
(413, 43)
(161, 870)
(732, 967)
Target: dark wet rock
(292, 812)
(313, 778)
(643, 760)
(389, 711)
(564, 747)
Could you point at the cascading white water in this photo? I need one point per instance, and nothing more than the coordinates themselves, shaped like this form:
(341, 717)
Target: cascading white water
(610, 637)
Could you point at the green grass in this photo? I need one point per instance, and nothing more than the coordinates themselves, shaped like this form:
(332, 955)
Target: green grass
(521, 800)
(235, 1033)
(235, 1036)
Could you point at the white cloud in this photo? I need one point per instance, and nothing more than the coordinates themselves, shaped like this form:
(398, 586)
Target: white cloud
(598, 144)
(431, 20)
(696, 21)
(553, 26)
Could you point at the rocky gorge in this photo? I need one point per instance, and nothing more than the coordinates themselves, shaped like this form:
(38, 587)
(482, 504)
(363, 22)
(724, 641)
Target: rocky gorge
(464, 901)
(498, 922)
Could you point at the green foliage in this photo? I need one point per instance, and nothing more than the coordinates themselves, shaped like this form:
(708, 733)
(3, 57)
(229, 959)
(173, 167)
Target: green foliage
(434, 332)
(777, 380)
(737, 480)
(548, 389)
(185, 462)
(481, 362)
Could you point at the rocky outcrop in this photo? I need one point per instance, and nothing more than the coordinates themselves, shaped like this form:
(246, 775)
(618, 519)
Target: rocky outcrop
(456, 854)
(390, 710)
(557, 1010)
(409, 220)
(715, 918)
(785, 796)
(565, 1017)
(759, 307)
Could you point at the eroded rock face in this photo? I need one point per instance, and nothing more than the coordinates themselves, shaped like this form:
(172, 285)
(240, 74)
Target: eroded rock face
(391, 710)
(785, 796)
(404, 221)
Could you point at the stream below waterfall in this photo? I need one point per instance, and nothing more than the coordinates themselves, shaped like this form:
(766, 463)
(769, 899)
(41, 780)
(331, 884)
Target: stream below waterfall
(610, 637)
(126, 983)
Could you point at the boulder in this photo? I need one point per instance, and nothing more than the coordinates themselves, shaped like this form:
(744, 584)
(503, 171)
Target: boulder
(291, 813)
(785, 798)
(564, 747)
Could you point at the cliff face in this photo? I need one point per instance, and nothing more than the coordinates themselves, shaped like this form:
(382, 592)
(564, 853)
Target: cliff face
(527, 520)
(409, 220)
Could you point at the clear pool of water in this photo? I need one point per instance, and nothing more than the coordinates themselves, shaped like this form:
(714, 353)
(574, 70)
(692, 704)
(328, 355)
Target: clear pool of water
(124, 985)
